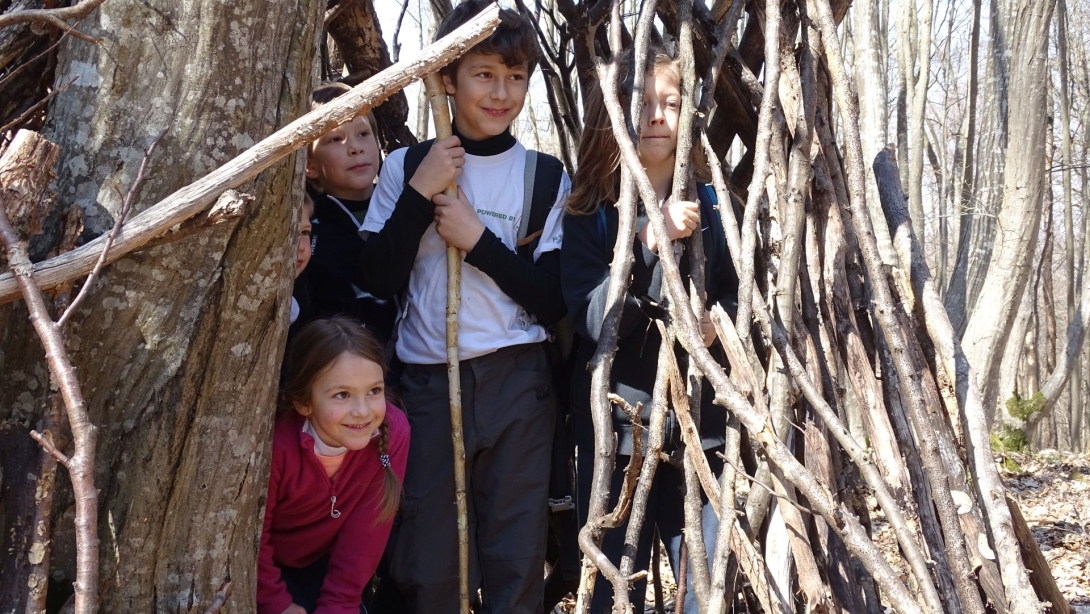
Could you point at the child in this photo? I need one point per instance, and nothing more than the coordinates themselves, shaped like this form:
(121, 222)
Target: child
(590, 232)
(338, 457)
(507, 300)
(341, 169)
(301, 304)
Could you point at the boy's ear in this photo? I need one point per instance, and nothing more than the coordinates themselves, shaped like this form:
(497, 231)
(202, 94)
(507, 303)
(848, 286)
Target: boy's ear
(448, 83)
(311, 169)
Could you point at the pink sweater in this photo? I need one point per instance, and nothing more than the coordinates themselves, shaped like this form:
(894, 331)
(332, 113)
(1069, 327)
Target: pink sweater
(299, 525)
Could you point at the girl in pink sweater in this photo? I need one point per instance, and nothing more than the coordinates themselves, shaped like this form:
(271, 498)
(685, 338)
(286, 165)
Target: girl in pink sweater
(338, 458)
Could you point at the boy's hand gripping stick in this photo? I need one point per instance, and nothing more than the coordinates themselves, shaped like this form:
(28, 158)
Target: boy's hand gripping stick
(440, 112)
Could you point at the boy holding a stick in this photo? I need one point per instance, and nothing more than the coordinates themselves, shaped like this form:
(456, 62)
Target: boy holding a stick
(510, 293)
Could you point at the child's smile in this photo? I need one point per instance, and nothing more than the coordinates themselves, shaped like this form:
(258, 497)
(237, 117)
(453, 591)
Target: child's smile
(488, 95)
(347, 402)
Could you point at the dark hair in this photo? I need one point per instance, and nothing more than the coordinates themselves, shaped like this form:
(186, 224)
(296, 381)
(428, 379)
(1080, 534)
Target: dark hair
(515, 39)
(314, 351)
(598, 177)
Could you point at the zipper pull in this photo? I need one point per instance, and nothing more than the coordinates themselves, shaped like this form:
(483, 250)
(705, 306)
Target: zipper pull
(333, 511)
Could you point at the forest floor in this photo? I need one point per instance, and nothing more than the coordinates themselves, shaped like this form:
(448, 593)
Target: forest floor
(1053, 492)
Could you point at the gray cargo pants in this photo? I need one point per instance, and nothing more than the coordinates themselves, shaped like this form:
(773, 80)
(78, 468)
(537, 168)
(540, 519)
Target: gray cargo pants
(508, 408)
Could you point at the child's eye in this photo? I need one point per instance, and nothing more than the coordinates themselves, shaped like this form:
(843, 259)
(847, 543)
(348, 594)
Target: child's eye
(365, 133)
(334, 139)
(484, 75)
(518, 77)
(343, 394)
(377, 390)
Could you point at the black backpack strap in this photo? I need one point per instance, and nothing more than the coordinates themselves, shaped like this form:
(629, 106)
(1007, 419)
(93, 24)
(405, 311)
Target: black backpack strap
(547, 176)
(414, 156)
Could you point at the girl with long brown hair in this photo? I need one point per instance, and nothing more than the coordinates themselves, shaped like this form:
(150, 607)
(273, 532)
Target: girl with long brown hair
(338, 459)
(590, 232)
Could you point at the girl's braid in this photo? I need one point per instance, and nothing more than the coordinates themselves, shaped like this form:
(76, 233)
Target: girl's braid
(391, 485)
(383, 446)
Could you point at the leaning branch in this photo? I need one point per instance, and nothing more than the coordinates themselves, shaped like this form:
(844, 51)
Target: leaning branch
(197, 196)
(954, 362)
(82, 462)
(58, 18)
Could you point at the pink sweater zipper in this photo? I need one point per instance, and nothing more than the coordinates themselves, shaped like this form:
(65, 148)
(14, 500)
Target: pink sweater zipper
(333, 511)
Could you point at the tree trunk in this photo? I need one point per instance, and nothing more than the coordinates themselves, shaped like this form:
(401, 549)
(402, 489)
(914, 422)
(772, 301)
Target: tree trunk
(917, 138)
(979, 173)
(870, 81)
(178, 346)
(356, 30)
(1074, 389)
(1023, 192)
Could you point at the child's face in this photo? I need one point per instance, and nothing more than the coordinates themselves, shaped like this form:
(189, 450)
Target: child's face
(659, 119)
(488, 95)
(345, 160)
(302, 252)
(347, 402)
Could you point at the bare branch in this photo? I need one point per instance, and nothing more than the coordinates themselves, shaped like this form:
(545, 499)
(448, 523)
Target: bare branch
(197, 196)
(81, 465)
(55, 17)
(18, 121)
(222, 595)
(126, 206)
(48, 446)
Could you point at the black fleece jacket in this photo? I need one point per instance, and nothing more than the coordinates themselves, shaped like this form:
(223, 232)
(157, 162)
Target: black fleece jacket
(584, 272)
(389, 254)
(333, 279)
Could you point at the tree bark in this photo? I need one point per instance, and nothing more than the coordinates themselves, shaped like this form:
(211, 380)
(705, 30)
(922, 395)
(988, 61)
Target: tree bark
(358, 35)
(917, 138)
(1024, 183)
(178, 347)
(1074, 390)
(869, 72)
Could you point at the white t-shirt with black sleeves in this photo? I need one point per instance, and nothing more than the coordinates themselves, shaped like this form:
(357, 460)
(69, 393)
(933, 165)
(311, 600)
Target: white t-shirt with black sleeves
(488, 318)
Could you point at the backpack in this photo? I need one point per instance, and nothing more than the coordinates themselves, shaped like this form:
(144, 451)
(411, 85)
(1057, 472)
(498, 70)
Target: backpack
(543, 173)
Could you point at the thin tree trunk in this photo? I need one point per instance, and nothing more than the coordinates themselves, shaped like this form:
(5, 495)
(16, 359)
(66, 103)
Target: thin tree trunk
(870, 82)
(1024, 182)
(1074, 390)
(917, 138)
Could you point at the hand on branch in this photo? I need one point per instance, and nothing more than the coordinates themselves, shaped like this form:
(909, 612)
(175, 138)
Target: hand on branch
(456, 221)
(682, 218)
(440, 168)
(707, 327)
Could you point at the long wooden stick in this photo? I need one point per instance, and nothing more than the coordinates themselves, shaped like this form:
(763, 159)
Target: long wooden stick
(199, 195)
(440, 112)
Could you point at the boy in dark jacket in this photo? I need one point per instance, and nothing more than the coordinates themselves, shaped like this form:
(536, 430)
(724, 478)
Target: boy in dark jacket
(341, 169)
